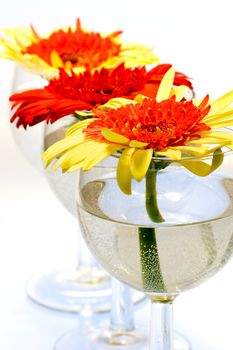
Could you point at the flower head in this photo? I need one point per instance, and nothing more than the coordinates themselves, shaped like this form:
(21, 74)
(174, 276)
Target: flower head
(167, 127)
(160, 125)
(71, 92)
(71, 48)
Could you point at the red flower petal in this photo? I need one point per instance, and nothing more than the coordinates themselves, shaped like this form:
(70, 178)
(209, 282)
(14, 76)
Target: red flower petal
(69, 93)
(39, 105)
(159, 124)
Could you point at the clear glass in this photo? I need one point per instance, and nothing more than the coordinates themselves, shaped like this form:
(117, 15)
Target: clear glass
(121, 330)
(28, 141)
(197, 233)
(119, 333)
(86, 287)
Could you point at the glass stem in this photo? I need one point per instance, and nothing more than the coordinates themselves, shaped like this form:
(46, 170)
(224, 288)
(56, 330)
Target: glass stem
(161, 324)
(122, 316)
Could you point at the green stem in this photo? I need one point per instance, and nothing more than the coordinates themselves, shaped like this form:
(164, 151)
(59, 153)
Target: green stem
(151, 197)
(152, 278)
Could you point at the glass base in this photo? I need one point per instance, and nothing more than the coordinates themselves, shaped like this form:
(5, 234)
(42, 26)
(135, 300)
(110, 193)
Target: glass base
(84, 290)
(101, 339)
(104, 339)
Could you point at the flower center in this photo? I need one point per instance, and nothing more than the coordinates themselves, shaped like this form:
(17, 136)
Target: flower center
(77, 47)
(159, 124)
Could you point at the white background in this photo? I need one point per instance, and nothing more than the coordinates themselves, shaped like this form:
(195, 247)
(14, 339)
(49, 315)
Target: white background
(36, 232)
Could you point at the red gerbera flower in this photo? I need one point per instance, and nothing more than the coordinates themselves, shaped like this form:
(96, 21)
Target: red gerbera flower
(72, 93)
(158, 124)
(79, 48)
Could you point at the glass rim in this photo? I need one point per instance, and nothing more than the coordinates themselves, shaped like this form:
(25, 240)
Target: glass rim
(227, 152)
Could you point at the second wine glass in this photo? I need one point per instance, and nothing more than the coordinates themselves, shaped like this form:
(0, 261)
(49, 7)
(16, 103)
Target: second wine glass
(86, 284)
(65, 289)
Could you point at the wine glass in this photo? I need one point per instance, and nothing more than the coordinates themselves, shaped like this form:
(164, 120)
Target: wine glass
(60, 290)
(88, 277)
(86, 288)
(162, 259)
(86, 285)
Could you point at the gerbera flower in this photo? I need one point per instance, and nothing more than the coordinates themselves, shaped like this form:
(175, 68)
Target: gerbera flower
(167, 127)
(69, 48)
(71, 93)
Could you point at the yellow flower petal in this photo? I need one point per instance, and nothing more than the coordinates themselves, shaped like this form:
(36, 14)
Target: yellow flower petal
(56, 60)
(212, 120)
(116, 103)
(179, 92)
(84, 114)
(101, 152)
(124, 175)
(166, 85)
(140, 162)
(132, 55)
(79, 126)
(219, 116)
(68, 66)
(112, 136)
(140, 98)
(75, 167)
(201, 168)
(59, 161)
(221, 103)
(210, 141)
(19, 36)
(196, 101)
(137, 144)
(170, 153)
(220, 125)
(77, 154)
(196, 151)
(217, 137)
(59, 147)
(78, 70)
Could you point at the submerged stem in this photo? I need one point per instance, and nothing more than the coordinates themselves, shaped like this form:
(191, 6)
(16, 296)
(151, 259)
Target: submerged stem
(152, 278)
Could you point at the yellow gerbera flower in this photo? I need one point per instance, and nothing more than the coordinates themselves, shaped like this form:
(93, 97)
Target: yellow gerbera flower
(68, 48)
(144, 131)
